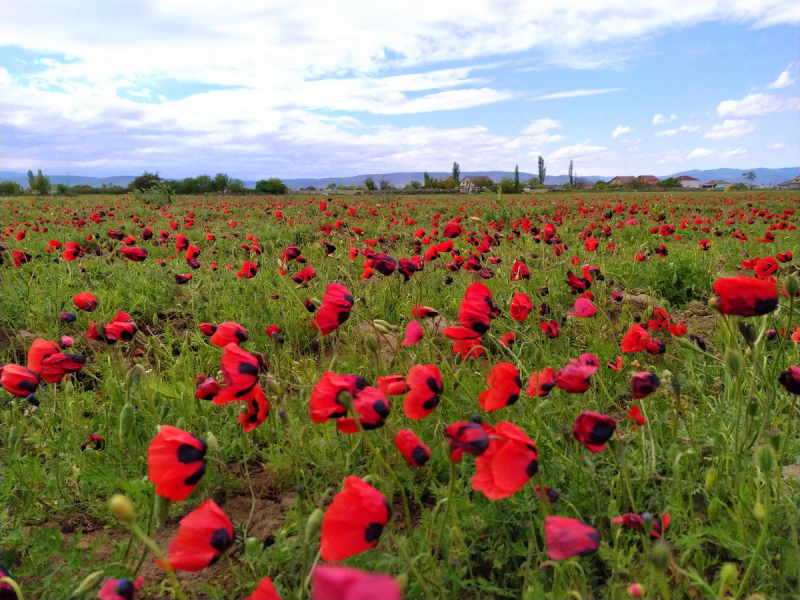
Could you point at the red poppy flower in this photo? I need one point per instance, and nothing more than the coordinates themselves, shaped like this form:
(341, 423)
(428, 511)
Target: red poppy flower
(304, 275)
(521, 305)
(176, 462)
(784, 257)
(208, 328)
(420, 312)
(468, 437)
(550, 328)
(183, 279)
(39, 350)
(541, 382)
(411, 447)
(504, 387)
(583, 308)
(519, 271)
(97, 442)
(264, 591)
(765, 267)
(18, 381)
(372, 408)
(678, 330)
(745, 296)
(249, 270)
(413, 333)
(593, 430)
(203, 535)
(508, 339)
(84, 301)
(507, 464)
(424, 384)
(567, 537)
(325, 402)
(354, 521)
(635, 339)
(118, 330)
(207, 388)
(272, 331)
(617, 365)
(120, 589)
(392, 385)
(468, 348)
(577, 284)
(335, 310)
(134, 253)
(228, 332)
(660, 527)
(631, 520)
(344, 583)
(644, 383)
(635, 416)
(258, 409)
(789, 379)
(72, 251)
(240, 371)
(181, 242)
(383, 263)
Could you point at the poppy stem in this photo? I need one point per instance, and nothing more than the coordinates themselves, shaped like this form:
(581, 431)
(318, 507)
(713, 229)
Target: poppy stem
(176, 587)
(412, 567)
(13, 584)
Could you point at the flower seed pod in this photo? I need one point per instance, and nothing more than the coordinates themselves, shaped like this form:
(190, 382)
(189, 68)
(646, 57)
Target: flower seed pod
(792, 287)
(252, 547)
(13, 437)
(122, 508)
(728, 576)
(759, 511)
(711, 479)
(126, 419)
(88, 583)
(733, 360)
(162, 414)
(766, 459)
(371, 342)
(660, 555)
(314, 524)
(211, 442)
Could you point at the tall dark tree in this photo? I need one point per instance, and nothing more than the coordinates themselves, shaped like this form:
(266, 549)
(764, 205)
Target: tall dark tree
(456, 172)
(542, 170)
(369, 182)
(38, 183)
(144, 181)
(571, 177)
(516, 179)
(220, 183)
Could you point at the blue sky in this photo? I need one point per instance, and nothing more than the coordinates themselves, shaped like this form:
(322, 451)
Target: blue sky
(316, 89)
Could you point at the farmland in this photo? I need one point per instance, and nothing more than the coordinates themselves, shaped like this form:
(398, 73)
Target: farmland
(656, 436)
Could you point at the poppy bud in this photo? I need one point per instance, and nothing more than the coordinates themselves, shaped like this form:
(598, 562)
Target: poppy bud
(733, 359)
(371, 342)
(283, 416)
(162, 414)
(748, 331)
(711, 479)
(314, 524)
(317, 302)
(660, 555)
(380, 328)
(402, 581)
(126, 418)
(388, 326)
(715, 509)
(766, 459)
(88, 583)
(252, 547)
(791, 287)
(728, 576)
(345, 399)
(752, 407)
(161, 510)
(759, 512)
(775, 439)
(363, 300)
(13, 437)
(273, 385)
(122, 508)
(211, 441)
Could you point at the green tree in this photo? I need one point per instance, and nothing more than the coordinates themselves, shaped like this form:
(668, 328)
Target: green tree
(220, 183)
(542, 171)
(10, 188)
(414, 184)
(384, 185)
(456, 172)
(144, 181)
(272, 186)
(670, 182)
(235, 186)
(204, 184)
(517, 187)
(369, 182)
(331, 186)
(61, 189)
(507, 185)
(571, 176)
(429, 182)
(38, 184)
(750, 176)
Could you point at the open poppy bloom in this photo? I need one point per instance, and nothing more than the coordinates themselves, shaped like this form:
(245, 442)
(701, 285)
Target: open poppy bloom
(550, 328)
(508, 339)
(745, 296)
(84, 301)
(207, 388)
(411, 447)
(134, 253)
(18, 381)
(678, 330)
(383, 263)
(616, 366)
(21, 257)
(96, 442)
(635, 416)
(593, 430)
(567, 537)
(249, 270)
(424, 384)
(790, 380)
(208, 328)
(344, 583)
(507, 464)
(183, 279)
(504, 387)
(392, 385)
(203, 535)
(258, 409)
(644, 383)
(583, 308)
(541, 382)
(372, 408)
(468, 437)
(421, 312)
(176, 462)
(354, 521)
(413, 333)
(264, 591)
(521, 306)
(240, 372)
(228, 332)
(120, 589)
(574, 377)
(326, 397)
(635, 339)
(337, 302)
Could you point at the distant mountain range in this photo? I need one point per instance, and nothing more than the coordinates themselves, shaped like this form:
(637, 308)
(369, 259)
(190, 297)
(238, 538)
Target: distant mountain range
(763, 177)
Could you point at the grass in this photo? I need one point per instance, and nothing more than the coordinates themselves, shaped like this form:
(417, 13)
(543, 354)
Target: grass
(719, 434)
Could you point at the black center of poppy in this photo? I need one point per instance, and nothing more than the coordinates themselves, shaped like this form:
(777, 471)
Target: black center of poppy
(342, 316)
(512, 399)
(188, 454)
(601, 432)
(373, 532)
(381, 408)
(247, 368)
(420, 455)
(221, 539)
(532, 468)
(431, 403)
(480, 327)
(348, 299)
(125, 589)
(361, 383)
(240, 335)
(28, 385)
(434, 385)
(195, 477)
(766, 305)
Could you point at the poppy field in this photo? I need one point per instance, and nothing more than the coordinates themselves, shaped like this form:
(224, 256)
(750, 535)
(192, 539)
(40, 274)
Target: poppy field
(363, 397)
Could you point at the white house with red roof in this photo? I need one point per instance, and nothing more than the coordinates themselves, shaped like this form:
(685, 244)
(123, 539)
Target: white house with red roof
(689, 182)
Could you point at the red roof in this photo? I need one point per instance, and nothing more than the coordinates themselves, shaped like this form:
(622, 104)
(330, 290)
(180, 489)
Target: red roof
(687, 178)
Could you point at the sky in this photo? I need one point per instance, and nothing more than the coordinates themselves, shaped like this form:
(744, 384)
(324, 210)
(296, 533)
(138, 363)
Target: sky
(323, 89)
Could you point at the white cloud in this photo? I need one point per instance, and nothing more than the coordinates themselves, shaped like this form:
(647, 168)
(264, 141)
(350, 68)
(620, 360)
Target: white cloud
(620, 129)
(756, 105)
(735, 153)
(583, 150)
(659, 119)
(700, 153)
(681, 129)
(730, 128)
(783, 80)
(776, 146)
(666, 132)
(541, 126)
(576, 94)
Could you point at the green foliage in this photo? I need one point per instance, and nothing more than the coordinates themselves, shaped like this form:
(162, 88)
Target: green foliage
(10, 188)
(369, 182)
(750, 176)
(38, 184)
(517, 187)
(272, 186)
(571, 175)
(144, 182)
(542, 171)
(670, 183)
(507, 185)
(456, 172)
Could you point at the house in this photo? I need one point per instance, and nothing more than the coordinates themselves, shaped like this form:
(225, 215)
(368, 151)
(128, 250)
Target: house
(469, 185)
(689, 182)
(714, 183)
(649, 179)
(621, 180)
(792, 184)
